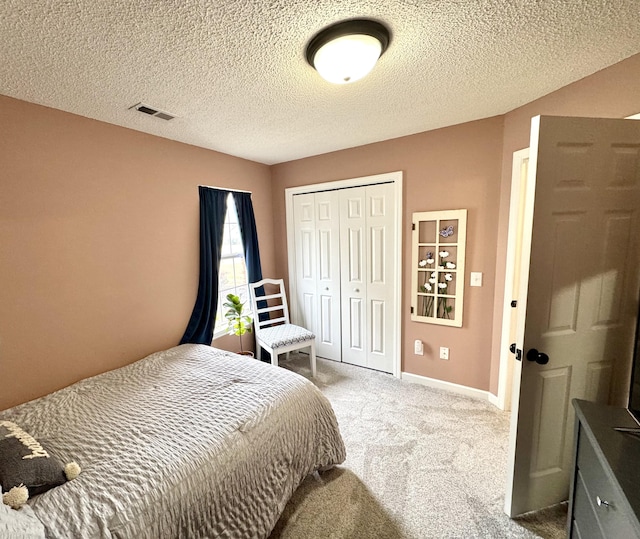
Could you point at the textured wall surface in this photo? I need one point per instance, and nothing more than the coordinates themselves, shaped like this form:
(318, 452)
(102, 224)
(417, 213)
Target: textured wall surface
(99, 237)
(235, 74)
(465, 166)
(98, 230)
(449, 168)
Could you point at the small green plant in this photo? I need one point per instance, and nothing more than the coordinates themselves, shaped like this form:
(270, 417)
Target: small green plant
(239, 323)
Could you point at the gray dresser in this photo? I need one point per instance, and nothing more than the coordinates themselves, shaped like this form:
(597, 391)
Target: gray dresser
(604, 501)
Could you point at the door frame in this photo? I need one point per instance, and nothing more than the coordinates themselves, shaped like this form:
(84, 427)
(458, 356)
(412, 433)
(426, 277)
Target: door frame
(516, 205)
(389, 177)
(525, 261)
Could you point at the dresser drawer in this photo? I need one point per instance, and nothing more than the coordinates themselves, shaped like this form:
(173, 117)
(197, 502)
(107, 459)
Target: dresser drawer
(603, 497)
(585, 522)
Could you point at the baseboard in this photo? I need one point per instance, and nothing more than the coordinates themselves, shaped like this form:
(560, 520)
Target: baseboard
(493, 399)
(447, 386)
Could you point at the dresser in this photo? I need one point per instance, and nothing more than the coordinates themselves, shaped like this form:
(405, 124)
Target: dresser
(604, 500)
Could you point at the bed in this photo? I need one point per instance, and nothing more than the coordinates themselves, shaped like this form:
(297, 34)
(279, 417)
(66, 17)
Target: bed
(188, 442)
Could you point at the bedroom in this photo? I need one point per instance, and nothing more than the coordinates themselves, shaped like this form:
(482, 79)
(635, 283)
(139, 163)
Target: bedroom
(99, 227)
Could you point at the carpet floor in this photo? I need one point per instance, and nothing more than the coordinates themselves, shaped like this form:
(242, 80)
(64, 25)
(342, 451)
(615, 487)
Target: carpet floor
(421, 463)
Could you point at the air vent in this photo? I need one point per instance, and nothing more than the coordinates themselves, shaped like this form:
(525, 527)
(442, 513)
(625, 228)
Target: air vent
(151, 111)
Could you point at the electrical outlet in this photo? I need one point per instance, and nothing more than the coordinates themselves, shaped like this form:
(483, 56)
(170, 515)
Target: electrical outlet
(418, 348)
(444, 352)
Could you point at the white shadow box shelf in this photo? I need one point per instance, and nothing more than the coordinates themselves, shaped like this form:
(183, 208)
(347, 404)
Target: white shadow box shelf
(437, 272)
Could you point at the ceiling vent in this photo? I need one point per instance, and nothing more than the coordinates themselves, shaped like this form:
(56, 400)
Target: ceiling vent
(151, 111)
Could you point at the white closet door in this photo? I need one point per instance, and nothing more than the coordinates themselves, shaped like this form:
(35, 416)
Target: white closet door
(367, 232)
(306, 261)
(327, 328)
(354, 279)
(380, 273)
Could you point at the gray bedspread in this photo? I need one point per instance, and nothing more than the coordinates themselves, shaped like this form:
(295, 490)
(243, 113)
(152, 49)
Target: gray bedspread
(188, 442)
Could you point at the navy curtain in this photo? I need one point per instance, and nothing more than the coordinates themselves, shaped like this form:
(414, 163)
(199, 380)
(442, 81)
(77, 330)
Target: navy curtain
(213, 207)
(249, 233)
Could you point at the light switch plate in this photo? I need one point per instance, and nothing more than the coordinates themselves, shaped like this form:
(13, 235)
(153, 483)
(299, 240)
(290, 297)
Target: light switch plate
(476, 278)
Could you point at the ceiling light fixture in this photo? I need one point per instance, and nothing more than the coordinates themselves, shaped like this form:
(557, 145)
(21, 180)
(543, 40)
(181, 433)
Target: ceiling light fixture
(347, 51)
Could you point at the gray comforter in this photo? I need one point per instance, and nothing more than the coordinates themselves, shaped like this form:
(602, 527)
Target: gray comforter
(189, 442)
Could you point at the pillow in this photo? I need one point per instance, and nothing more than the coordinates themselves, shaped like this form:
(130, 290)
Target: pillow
(24, 461)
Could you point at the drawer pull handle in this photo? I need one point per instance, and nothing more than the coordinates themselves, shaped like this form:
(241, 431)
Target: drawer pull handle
(601, 502)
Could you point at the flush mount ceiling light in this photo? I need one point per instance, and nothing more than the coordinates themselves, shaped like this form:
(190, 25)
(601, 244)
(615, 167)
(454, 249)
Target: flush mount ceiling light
(347, 51)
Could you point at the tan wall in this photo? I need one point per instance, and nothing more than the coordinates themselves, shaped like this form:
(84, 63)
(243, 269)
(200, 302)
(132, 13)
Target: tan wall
(99, 231)
(99, 243)
(611, 93)
(451, 168)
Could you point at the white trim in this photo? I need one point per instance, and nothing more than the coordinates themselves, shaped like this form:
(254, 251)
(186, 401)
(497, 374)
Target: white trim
(391, 177)
(493, 399)
(633, 117)
(447, 386)
(525, 261)
(503, 400)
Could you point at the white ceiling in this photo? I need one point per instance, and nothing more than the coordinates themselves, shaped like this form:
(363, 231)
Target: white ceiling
(235, 74)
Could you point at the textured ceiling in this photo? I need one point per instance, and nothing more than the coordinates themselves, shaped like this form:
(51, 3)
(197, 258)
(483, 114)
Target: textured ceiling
(235, 75)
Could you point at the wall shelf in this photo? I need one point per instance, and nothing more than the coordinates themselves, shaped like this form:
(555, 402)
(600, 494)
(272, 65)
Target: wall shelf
(437, 276)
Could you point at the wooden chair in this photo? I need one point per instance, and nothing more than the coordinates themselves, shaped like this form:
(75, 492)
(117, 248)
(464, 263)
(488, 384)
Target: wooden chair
(277, 335)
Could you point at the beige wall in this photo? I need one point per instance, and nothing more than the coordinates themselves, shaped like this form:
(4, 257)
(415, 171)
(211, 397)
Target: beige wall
(451, 168)
(99, 243)
(611, 93)
(99, 231)
(462, 167)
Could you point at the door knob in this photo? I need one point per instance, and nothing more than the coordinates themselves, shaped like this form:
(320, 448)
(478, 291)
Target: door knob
(539, 357)
(357, 290)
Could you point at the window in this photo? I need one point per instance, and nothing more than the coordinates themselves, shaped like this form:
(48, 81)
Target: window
(233, 278)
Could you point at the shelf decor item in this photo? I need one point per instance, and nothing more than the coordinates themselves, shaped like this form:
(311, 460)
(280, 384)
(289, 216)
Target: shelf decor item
(437, 276)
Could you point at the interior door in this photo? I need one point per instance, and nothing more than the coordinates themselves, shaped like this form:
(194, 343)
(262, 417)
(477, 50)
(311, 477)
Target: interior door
(580, 250)
(367, 229)
(327, 329)
(354, 279)
(306, 260)
(380, 228)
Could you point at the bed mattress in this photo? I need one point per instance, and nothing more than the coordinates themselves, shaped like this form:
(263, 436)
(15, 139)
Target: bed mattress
(188, 442)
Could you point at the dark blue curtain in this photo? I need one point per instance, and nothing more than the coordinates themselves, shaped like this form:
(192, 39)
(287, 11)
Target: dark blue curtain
(247, 222)
(213, 207)
(249, 233)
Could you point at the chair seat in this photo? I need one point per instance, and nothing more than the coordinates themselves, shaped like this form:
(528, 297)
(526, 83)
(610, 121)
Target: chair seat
(285, 335)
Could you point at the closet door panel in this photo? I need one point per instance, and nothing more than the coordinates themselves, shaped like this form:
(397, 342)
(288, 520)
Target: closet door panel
(306, 261)
(380, 271)
(353, 276)
(327, 224)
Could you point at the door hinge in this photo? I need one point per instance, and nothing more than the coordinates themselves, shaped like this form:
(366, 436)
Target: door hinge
(516, 351)
(413, 226)
(411, 310)
(514, 303)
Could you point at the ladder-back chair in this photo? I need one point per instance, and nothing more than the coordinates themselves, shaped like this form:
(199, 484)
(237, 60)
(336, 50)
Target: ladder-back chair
(277, 335)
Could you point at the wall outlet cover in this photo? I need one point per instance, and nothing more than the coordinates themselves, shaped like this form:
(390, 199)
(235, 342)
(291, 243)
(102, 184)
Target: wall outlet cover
(444, 352)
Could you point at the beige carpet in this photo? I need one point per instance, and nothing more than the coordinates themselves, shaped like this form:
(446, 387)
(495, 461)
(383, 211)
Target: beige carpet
(421, 463)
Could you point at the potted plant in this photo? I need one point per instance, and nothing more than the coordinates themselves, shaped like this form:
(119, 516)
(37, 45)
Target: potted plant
(239, 323)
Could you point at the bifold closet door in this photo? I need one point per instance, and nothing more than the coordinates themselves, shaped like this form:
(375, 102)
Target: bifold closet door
(306, 260)
(367, 235)
(327, 328)
(316, 218)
